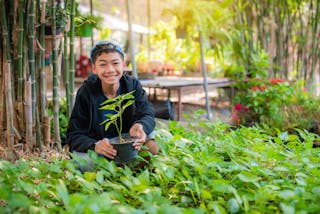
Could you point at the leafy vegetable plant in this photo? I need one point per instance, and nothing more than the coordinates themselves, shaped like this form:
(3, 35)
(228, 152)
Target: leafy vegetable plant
(117, 105)
(203, 167)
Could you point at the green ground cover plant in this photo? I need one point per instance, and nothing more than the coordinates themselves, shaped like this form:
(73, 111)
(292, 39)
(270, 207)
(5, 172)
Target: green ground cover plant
(203, 167)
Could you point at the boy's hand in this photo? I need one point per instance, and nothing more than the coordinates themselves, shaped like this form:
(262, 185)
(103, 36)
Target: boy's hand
(103, 147)
(137, 131)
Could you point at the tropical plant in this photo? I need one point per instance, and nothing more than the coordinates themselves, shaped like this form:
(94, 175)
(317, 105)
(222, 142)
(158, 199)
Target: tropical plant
(116, 107)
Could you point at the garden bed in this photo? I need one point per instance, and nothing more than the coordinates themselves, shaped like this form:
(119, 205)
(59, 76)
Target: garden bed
(203, 167)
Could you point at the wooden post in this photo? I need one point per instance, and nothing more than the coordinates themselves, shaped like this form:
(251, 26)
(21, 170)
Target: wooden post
(133, 61)
(204, 74)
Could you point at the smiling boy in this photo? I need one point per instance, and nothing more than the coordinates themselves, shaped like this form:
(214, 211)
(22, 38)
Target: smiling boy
(85, 131)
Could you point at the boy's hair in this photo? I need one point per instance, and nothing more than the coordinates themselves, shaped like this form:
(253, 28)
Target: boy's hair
(105, 47)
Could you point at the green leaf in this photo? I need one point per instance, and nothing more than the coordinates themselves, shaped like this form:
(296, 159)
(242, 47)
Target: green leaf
(128, 95)
(110, 100)
(110, 107)
(316, 190)
(107, 125)
(287, 194)
(19, 200)
(284, 136)
(99, 177)
(129, 103)
(233, 205)
(287, 209)
(217, 208)
(63, 192)
(90, 176)
(247, 177)
(222, 186)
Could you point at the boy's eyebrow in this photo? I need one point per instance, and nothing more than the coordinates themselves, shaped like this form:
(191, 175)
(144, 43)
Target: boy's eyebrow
(103, 60)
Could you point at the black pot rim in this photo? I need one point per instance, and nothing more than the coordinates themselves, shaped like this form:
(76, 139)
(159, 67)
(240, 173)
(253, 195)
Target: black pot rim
(115, 140)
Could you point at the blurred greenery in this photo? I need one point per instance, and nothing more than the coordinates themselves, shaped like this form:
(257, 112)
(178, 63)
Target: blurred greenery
(278, 104)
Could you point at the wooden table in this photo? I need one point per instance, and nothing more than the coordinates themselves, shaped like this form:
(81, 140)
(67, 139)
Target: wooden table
(181, 83)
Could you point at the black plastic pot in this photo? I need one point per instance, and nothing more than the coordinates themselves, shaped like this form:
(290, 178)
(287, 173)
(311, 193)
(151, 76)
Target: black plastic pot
(125, 151)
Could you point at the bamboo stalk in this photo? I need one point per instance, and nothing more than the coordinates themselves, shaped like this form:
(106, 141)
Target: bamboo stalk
(55, 79)
(38, 79)
(43, 106)
(2, 82)
(72, 62)
(20, 51)
(46, 130)
(32, 70)
(28, 113)
(42, 61)
(66, 72)
(7, 76)
(18, 39)
(314, 46)
(31, 58)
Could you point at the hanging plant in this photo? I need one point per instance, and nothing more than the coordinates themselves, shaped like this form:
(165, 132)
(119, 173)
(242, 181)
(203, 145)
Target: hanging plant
(84, 24)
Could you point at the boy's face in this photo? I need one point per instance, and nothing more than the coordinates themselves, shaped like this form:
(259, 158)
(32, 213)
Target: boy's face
(109, 68)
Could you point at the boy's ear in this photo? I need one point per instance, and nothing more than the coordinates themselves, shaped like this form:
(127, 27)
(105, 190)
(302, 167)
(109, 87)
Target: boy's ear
(93, 69)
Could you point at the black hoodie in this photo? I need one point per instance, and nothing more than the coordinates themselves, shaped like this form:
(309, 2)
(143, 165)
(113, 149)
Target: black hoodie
(85, 128)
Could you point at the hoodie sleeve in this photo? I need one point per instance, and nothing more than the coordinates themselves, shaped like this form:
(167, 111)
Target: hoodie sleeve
(78, 136)
(144, 109)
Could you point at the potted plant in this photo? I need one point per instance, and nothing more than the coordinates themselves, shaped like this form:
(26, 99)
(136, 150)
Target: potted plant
(84, 24)
(123, 142)
(62, 16)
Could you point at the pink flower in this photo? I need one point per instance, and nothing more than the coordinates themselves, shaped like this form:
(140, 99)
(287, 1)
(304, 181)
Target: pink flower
(237, 107)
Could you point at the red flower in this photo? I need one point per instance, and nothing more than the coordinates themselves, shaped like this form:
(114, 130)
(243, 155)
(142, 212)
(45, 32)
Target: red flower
(258, 88)
(275, 80)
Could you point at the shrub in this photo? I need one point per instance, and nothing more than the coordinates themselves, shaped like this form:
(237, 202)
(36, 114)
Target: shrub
(276, 103)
